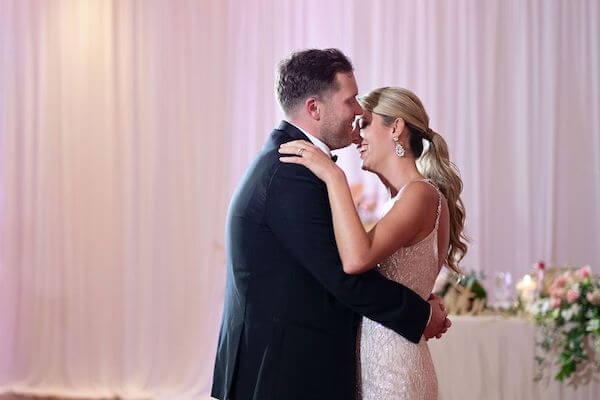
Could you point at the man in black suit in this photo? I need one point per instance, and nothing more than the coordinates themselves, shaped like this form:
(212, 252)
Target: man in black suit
(291, 314)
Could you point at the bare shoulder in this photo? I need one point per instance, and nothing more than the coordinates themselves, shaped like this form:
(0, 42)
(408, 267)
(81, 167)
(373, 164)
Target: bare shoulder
(409, 219)
(419, 196)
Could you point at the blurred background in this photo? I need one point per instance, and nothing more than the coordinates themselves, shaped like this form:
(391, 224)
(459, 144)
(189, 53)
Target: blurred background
(125, 126)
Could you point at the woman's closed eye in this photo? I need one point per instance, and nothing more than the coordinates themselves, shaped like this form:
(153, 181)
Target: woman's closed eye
(359, 122)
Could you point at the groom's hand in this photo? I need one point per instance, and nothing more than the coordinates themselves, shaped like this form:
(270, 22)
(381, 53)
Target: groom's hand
(439, 322)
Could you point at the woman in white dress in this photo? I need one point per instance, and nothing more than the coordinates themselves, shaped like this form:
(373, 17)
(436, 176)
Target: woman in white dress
(421, 231)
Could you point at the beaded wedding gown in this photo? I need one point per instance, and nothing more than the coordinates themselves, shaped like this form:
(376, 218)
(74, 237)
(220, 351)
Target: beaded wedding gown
(390, 366)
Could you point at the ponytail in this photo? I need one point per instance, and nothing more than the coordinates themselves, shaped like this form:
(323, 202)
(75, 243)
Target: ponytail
(435, 164)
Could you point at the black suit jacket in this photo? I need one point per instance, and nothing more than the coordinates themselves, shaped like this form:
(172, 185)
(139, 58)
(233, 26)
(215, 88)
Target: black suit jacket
(291, 313)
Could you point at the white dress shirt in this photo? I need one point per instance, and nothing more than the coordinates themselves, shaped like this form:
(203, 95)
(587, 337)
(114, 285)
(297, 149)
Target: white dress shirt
(314, 140)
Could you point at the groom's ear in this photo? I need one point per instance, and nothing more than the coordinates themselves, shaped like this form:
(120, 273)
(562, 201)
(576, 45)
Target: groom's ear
(312, 107)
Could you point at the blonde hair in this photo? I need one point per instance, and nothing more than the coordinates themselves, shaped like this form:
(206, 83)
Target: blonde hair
(394, 102)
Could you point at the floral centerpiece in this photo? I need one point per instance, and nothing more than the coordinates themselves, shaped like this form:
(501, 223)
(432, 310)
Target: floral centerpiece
(568, 313)
(462, 294)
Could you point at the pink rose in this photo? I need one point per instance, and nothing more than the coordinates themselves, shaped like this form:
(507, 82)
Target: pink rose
(557, 292)
(556, 302)
(590, 297)
(560, 281)
(585, 272)
(572, 295)
(594, 297)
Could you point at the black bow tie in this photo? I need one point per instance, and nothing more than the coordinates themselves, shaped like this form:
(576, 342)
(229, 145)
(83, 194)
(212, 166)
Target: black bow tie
(334, 158)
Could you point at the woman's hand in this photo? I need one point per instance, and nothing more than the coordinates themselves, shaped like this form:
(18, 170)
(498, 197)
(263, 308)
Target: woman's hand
(309, 155)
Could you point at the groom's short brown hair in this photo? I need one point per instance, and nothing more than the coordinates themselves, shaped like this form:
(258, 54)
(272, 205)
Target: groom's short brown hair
(308, 73)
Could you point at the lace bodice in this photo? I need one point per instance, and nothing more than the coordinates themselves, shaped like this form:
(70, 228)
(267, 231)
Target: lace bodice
(391, 367)
(415, 266)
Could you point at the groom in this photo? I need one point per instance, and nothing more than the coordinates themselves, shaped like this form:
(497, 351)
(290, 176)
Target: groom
(291, 314)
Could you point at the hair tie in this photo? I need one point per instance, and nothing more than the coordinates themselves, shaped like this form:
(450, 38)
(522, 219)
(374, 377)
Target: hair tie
(430, 134)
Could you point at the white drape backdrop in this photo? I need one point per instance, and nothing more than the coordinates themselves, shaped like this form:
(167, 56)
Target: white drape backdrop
(124, 127)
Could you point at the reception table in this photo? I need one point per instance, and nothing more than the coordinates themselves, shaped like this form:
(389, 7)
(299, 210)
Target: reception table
(492, 357)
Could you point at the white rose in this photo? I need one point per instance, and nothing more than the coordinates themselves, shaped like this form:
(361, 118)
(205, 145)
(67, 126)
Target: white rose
(575, 308)
(569, 326)
(567, 314)
(593, 324)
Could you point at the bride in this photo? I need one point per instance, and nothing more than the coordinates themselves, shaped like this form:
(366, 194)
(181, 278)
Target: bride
(421, 231)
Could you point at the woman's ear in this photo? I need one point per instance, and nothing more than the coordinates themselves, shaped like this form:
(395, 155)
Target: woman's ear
(398, 126)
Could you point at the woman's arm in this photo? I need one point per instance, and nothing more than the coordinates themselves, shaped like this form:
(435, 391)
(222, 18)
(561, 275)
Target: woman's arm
(361, 251)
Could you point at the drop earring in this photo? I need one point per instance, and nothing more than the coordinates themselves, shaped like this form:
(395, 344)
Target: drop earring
(399, 148)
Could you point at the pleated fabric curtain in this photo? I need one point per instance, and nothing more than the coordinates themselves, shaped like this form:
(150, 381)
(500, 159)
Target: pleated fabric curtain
(125, 125)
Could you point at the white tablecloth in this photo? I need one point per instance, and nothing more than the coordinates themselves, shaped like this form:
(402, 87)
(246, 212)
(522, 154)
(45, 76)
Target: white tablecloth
(489, 358)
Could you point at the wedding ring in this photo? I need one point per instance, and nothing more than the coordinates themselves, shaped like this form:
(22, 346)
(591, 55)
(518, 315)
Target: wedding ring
(300, 150)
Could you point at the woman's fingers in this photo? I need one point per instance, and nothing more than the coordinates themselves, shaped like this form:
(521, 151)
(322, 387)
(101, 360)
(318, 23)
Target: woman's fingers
(295, 150)
(296, 147)
(292, 160)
